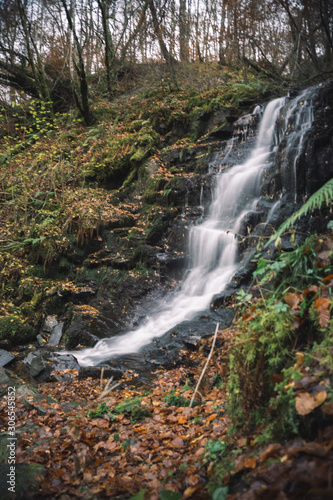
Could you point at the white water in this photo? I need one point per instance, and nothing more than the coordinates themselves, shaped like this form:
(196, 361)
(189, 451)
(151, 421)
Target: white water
(213, 247)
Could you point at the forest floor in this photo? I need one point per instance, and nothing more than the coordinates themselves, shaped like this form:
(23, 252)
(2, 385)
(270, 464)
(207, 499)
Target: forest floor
(146, 441)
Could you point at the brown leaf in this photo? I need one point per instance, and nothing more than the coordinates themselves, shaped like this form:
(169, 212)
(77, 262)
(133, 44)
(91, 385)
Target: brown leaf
(250, 463)
(74, 431)
(177, 442)
(182, 420)
(322, 305)
(312, 289)
(305, 403)
(189, 491)
(328, 409)
(271, 451)
(211, 417)
(248, 316)
(320, 397)
(293, 300)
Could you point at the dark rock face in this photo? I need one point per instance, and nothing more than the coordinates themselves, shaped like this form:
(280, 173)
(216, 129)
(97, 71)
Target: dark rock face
(43, 365)
(317, 160)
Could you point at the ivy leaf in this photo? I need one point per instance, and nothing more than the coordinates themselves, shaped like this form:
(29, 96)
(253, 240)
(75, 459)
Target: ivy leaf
(140, 495)
(220, 493)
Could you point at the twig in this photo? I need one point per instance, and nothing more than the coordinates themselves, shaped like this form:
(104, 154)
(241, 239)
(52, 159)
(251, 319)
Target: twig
(107, 387)
(206, 364)
(101, 381)
(106, 391)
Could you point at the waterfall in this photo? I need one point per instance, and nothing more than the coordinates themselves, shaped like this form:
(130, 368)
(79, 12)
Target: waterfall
(213, 243)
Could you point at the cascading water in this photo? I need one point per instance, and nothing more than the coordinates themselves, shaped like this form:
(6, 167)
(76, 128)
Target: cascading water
(213, 243)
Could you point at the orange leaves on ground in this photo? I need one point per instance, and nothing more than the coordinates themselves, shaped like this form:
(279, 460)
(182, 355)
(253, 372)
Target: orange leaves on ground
(305, 402)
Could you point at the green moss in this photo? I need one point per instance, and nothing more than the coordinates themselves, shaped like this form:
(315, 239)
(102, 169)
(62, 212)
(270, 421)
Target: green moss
(16, 331)
(127, 405)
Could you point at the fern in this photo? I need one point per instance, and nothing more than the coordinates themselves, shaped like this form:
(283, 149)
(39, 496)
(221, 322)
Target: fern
(325, 193)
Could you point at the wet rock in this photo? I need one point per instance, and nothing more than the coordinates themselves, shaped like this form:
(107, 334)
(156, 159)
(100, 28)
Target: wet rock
(6, 357)
(56, 335)
(146, 254)
(27, 481)
(78, 332)
(40, 340)
(42, 365)
(49, 324)
(225, 298)
(192, 343)
(4, 379)
(95, 372)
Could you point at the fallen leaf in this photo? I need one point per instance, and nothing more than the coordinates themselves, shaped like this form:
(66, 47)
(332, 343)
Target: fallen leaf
(322, 305)
(328, 409)
(177, 442)
(292, 300)
(189, 491)
(320, 397)
(305, 403)
(250, 463)
(211, 417)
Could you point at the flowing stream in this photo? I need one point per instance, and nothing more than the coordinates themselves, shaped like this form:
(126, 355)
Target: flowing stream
(213, 244)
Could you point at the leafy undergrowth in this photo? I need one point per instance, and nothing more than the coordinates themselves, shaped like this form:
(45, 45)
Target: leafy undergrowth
(132, 439)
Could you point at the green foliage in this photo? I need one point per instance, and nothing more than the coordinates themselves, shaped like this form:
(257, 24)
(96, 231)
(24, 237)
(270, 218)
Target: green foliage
(140, 495)
(139, 413)
(173, 399)
(170, 495)
(290, 269)
(220, 493)
(16, 330)
(243, 297)
(102, 409)
(323, 195)
(215, 449)
(261, 349)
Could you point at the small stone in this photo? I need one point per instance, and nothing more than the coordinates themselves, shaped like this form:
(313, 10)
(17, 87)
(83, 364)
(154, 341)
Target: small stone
(37, 366)
(4, 379)
(6, 357)
(49, 324)
(40, 340)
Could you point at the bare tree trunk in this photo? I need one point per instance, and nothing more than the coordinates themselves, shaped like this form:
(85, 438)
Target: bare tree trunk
(82, 102)
(158, 32)
(109, 53)
(184, 50)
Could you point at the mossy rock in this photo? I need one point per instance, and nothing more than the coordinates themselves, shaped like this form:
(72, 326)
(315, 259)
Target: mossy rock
(15, 330)
(27, 481)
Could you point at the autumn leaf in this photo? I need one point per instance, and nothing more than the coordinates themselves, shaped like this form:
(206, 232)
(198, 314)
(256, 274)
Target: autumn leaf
(211, 417)
(322, 305)
(292, 300)
(177, 442)
(305, 403)
(328, 409)
(250, 463)
(74, 431)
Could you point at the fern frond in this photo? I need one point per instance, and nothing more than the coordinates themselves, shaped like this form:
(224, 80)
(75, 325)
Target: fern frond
(325, 193)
